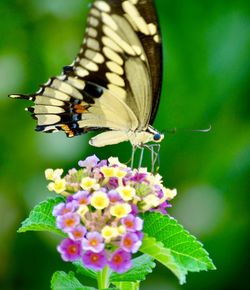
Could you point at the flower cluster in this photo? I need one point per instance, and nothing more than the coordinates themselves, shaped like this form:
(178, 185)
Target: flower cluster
(100, 215)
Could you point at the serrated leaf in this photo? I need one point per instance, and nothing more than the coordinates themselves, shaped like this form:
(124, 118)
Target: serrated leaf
(142, 266)
(185, 248)
(81, 269)
(63, 281)
(127, 285)
(41, 218)
(163, 255)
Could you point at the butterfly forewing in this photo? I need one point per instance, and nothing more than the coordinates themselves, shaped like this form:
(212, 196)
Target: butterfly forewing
(114, 82)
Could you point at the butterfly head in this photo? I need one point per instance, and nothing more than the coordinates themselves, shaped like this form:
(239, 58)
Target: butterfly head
(156, 136)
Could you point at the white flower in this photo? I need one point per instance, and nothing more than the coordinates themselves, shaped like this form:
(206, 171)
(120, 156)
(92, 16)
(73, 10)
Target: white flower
(115, 161)
(51, 174)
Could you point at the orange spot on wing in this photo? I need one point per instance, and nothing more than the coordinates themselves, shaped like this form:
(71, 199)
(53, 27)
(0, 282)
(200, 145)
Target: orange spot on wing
(67, 130)
(80, 109)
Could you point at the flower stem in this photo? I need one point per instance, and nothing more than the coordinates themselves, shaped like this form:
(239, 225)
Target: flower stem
(103, 278)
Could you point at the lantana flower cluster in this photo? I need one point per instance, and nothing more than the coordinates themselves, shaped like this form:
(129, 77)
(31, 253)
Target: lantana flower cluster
(100, 215)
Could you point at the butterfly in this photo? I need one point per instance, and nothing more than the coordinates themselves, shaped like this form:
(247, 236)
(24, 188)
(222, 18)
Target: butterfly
(114, 83)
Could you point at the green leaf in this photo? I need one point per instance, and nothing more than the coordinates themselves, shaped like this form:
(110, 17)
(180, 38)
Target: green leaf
(142, 266)
(187, 251)
(81, 269)
(64, 281)
(41, 218)
(163, 255)
(127, 285)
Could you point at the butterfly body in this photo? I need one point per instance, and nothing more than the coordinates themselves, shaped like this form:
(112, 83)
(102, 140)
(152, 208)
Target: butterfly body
(114, 83)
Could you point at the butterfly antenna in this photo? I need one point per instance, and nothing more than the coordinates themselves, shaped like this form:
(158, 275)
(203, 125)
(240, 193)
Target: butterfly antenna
(169, 131)
(174, 130)
(203, 130)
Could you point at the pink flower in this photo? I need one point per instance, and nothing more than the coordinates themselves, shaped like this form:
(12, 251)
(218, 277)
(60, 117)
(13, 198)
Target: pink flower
(131, 243)
(93, 242)
(114, 196)
(62, 208)
(77, 233)
(70, 250)
(82, 197)
(120, 261)
(68, 221)
(95, 261)
(132, 223)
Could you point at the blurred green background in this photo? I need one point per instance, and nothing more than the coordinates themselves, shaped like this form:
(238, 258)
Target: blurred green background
(206, 81)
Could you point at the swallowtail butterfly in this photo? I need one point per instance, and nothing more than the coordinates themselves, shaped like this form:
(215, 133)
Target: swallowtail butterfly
(115, 81)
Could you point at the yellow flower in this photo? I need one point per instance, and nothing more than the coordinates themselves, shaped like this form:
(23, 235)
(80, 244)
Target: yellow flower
(51, 174)
(59, 186)
(120, 173)
(169, 194)
(88, 183)
(151, 201)
(109, 232)
(82, 210)
(107, 171)
(99, 200)
(126, 192)
(120, 210)
(121, 230)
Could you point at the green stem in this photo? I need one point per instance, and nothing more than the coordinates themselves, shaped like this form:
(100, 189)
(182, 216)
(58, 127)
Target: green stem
(103, 278)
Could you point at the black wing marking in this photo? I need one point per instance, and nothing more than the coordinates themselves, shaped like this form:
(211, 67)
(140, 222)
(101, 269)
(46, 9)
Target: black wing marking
(153, 49)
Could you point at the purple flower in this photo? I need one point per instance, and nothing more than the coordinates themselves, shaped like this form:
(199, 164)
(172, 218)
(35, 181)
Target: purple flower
(132, 223)
(64, 208)
(131, 243)
(159, 191)
(90, 162)
(114, 196)
(95, 261)
(93, 242)
(70, 250)
(68, 221)
(163, 206)
(77, 233)
(102, 163)
(82, 197)
(134, 209)
(113, 181)
(70, 198)
(140, 235)
(139, 177)
(120, 261)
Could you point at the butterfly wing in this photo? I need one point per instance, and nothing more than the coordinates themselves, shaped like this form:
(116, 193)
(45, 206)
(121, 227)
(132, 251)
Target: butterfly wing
(113, 81)
(153, 50)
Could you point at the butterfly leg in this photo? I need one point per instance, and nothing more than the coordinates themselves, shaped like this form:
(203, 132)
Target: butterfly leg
(141, 156)
(157, 156)
(133, 156)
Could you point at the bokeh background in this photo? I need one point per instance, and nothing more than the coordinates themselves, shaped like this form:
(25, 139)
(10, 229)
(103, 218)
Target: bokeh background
(206, 81)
